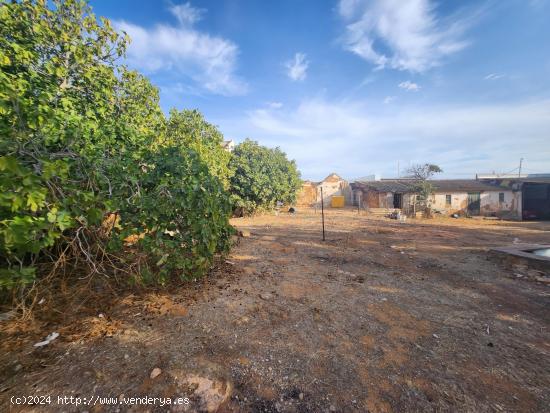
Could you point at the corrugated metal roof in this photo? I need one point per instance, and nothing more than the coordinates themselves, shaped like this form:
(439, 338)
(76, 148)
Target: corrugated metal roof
(540, 180)
(440, 185)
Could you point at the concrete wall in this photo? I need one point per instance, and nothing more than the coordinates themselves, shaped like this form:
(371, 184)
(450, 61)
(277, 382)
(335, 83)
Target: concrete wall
(307, 195)
(489, 203)
(337, 188)
(386, 200)
(357, 197)
(373, 199)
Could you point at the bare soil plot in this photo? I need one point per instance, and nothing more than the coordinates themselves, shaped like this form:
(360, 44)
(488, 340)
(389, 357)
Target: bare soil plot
(383, 316)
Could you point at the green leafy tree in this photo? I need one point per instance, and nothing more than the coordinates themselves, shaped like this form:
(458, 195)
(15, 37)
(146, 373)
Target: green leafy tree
(188, 128)
(57, 83)
(82, 138)
(261, 177)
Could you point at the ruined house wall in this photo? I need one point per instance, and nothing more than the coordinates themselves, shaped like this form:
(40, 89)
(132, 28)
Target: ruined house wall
(459, 202)
(489, 203)
(346, 191)
(329, 189)
(357, 197)
(307, 195)
(374, 199)
(371, 199)
(334, 187)
(386, 199)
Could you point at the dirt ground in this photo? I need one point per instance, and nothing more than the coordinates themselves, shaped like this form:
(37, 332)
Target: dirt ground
(383, 316)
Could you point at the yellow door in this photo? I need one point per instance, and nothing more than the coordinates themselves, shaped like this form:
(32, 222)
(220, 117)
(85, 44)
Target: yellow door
(337, 201)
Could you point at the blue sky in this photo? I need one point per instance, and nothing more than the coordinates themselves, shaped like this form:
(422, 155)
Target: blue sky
(356, 86)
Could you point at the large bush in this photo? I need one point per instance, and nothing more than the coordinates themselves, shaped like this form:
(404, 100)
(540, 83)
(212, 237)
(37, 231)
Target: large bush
(188, 128)
(81, 140)
(178, 209)
(262, 177)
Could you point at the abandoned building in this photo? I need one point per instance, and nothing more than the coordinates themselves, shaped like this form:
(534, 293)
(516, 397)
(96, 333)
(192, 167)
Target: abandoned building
(512, 197)
(462, 196)
(533, 190)
(307, 196)
(332, 185)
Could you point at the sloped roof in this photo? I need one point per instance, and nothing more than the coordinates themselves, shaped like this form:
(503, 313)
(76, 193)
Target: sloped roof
(386, 185)
(440, 185)
(540, 180)
(463, 185)
(333, 177)
(309, 183)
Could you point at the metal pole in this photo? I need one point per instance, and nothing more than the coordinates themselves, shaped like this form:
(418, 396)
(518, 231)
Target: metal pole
(323, 213)
(520, 162)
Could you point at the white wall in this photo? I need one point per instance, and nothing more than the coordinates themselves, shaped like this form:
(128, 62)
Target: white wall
(339, 188)
(329, 189)
(489, 202)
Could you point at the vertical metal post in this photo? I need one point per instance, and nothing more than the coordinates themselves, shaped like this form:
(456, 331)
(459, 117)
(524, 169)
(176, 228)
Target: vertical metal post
(323, 213)
(520, 163)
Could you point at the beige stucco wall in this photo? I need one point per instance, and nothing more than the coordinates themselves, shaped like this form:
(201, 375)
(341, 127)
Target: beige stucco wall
(489, 202)
(373, 199)
(307, 195)
(386, 200)
(338, 188)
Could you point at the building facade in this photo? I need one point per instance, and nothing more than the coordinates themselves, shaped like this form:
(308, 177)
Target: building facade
(332, 185)
(533, 190)
(454, 196)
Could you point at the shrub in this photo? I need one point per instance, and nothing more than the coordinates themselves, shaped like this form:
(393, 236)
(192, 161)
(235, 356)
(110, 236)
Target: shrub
(57, 83)
(180, 209)
(82, 138)
(262, 177)
(188, 128)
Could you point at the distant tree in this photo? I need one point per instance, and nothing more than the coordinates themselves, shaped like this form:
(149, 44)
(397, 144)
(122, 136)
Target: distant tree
(422, 173)
(261, 177)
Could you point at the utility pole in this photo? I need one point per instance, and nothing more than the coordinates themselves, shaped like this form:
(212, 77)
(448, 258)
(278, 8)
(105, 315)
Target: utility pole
(520, 162)
(323, 213)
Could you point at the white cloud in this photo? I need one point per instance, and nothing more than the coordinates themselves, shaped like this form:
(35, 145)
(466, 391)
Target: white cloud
(389, 99)
(356, 138)
(410, 86)
(297, 67)
(404, 35)
(275, 105)
(186, 14)
(493, 76)
(209, 61)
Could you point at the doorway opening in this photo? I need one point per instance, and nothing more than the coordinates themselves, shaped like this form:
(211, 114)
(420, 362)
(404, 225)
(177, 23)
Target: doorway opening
(398, 201)
(474, 203)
